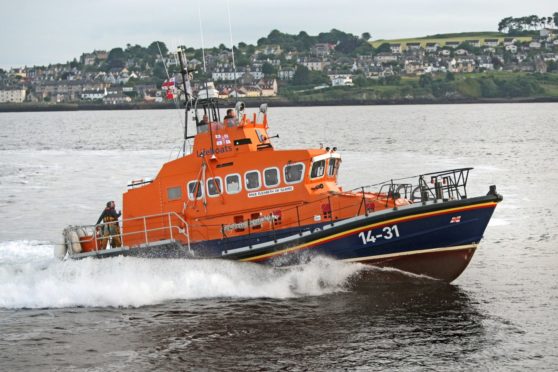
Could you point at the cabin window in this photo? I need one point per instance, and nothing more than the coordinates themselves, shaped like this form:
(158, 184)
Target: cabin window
(271, 177)
(333, 166)
(195, 187)
(174, 193)
(214, 186)
(293, 173)
(318, 169)
(252, 180)
(233, 183)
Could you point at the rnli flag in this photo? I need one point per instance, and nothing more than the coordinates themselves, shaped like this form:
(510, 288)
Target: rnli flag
(169, 83)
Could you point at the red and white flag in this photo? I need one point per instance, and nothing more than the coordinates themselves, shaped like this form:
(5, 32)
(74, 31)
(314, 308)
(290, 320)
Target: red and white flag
(169, 83)
(455, 219)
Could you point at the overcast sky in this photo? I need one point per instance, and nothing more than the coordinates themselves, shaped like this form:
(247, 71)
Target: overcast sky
(35, 32)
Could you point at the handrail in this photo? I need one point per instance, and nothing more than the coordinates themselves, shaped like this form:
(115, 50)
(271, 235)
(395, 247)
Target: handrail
(181, 230)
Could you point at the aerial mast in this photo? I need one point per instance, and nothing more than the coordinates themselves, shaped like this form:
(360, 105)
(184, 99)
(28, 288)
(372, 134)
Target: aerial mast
(187, 93)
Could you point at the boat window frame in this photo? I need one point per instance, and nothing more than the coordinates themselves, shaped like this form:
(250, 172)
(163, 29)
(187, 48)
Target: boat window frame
(259, 180)
(278, 177)
(336, 168)
(301, 174)
(239, 183)
(312, 167)
(190, 195)
(220, 187)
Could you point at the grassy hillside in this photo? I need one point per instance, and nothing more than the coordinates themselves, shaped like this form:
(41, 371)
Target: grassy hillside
(443, 38)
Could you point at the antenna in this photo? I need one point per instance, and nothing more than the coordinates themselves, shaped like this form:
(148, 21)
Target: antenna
(175, 99)
(201, 34)
(232, 48)
(187, 93)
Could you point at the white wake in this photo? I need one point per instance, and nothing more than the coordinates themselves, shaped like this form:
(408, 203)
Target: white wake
(30, 277)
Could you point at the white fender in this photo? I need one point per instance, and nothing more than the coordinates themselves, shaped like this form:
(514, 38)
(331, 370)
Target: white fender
(74, 242)
(81, 232)
(60, 251)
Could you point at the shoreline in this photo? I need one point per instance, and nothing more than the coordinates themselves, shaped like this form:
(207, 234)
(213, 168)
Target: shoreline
(272, 101)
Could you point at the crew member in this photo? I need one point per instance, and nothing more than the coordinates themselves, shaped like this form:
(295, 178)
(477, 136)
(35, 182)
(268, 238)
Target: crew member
(230, 118)
(110, 227)
(203, 124)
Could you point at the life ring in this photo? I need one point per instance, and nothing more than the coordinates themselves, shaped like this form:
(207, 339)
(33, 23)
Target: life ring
(74, 243)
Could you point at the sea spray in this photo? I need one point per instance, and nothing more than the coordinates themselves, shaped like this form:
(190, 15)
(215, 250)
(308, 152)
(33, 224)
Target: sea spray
(31, 278)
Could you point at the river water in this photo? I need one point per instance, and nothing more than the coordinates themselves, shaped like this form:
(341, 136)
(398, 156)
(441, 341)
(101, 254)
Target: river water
(60, 168)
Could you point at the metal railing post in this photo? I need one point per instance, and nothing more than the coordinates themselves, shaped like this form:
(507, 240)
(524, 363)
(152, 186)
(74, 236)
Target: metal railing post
(298, 221)
(330, 210)
(145, 230)
(170, 226)
(249, 233)
(273, 227)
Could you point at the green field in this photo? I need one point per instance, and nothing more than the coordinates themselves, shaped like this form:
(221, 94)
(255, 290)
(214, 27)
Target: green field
(443, 38)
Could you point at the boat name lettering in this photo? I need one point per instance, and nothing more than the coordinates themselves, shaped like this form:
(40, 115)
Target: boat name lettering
(277, 190)
(218, 150)
(253, 222)
(386, 233)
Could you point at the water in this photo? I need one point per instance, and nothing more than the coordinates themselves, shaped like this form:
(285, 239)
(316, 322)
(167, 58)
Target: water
(133, 314)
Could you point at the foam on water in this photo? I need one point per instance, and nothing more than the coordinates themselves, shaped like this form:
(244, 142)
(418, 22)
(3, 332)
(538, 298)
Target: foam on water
(30, 277)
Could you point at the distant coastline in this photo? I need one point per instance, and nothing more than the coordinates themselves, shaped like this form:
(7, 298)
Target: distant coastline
(38, 107)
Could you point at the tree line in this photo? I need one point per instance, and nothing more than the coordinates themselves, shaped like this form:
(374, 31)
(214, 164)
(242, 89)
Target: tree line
(521, 25)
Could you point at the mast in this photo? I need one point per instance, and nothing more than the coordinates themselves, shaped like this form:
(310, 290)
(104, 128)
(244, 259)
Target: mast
(187, 94)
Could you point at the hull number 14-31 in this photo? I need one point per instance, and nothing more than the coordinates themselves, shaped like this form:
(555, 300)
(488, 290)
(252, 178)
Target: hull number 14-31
(388, 232)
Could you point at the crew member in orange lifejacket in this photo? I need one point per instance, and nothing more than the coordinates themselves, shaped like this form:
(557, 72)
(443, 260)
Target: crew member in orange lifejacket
(110, 229)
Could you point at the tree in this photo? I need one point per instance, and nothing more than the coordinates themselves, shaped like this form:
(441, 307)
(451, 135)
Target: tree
(425, 80)
(504, 24)
(383, 48)
(450, 76)
(116, 58)
(366, 36)
(301, 75)
(555, 17)
(268, 69)
(153, 48)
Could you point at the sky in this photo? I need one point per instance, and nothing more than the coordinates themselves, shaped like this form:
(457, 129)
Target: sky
(39, 32)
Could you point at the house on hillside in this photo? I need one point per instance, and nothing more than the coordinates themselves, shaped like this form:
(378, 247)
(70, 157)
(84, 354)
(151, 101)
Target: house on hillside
(509, 41)
(396, 48)
(12, 95)
(474, 42)
(535, 44)
(314, 64)
(93, 94)
(341, 80)
(491, 42)
(512, 48)
(88, 59)
(268, 87)
(413, 46)
(485, 63)
(432, 47)
(385, 57)
(285, 73)
(452, 44)
(548, 33)
(322, 49)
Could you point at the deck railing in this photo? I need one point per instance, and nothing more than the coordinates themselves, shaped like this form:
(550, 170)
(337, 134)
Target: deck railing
(169, 225)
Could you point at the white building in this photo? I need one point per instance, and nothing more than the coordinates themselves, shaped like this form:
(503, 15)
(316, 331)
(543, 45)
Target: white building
(511, 48)
(12, 95)
(341, 80)
(92, 95)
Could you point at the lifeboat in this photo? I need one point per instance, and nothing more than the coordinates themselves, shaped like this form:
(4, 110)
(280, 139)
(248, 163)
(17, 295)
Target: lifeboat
(236, 196)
